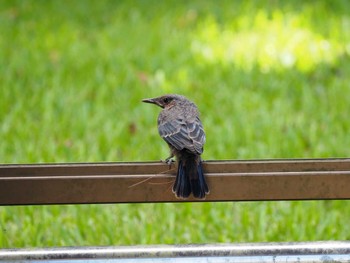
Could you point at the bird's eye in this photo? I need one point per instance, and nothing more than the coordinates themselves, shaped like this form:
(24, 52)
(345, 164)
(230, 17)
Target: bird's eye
(166, 100)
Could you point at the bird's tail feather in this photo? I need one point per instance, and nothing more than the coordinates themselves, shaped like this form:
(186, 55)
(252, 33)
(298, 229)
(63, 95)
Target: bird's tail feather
(190, 178)
(182, 185)
(199, 185)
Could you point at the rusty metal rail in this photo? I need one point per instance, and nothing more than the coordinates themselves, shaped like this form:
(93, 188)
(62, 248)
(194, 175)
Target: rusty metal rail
(296, 179)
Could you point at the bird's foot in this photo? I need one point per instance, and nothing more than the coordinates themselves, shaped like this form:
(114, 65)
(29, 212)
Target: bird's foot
(169, 161)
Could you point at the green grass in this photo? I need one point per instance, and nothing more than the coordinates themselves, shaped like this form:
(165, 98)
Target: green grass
(271, 79)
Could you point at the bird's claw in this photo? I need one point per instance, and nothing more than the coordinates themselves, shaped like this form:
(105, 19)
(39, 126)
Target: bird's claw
(169, 161)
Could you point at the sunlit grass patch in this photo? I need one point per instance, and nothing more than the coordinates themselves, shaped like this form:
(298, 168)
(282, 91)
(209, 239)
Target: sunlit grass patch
(278, 42)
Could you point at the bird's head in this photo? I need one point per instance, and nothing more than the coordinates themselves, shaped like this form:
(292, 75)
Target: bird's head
(165, 101)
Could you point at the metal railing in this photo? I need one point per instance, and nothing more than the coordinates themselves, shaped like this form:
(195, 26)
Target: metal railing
(263, 252)
(302, 179)
(151, 181)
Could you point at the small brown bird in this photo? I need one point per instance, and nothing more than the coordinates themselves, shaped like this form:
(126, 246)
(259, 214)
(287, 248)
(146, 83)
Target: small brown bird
(179, 125)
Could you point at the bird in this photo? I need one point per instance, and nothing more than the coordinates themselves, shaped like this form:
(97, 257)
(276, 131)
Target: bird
(179, 125)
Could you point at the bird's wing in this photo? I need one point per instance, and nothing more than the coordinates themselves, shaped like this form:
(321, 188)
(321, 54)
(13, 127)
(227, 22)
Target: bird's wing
(183, 134)
(197, 135)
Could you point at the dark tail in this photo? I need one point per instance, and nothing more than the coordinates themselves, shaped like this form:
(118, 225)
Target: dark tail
(190, 178)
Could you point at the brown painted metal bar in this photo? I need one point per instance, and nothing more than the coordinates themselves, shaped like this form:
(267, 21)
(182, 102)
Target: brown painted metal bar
(298, 179)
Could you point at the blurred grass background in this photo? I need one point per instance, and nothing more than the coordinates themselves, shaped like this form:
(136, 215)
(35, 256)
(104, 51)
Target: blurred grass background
(271, 79)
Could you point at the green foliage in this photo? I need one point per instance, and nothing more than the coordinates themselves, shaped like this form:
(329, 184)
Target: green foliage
(271, 79)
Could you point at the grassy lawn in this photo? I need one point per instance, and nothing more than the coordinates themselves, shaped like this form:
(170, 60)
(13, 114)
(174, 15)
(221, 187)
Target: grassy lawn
(271, 79)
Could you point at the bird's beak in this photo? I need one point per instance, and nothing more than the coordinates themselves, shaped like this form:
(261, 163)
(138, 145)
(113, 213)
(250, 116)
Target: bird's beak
(154, 101)
(149, 101)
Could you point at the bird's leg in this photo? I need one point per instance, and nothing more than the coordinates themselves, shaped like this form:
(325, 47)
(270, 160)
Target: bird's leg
(169, 160)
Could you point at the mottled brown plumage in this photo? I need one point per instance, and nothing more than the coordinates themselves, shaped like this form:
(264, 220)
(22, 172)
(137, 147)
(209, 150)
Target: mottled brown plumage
(179, 125)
